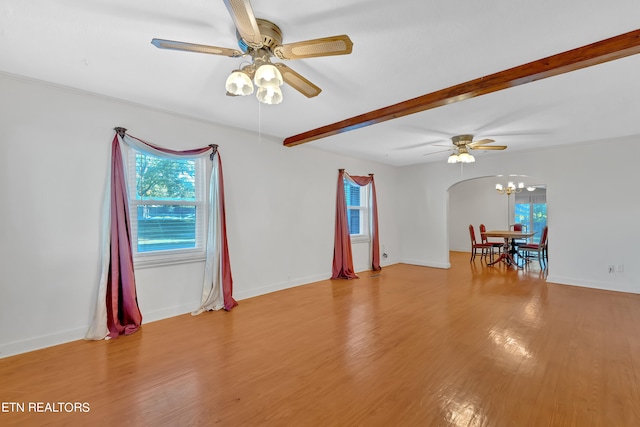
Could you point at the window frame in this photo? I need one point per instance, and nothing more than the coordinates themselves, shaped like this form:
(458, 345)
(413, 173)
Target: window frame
(364, 212)
(169, 256)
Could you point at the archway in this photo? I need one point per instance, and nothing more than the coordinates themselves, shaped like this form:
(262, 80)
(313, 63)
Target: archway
(476, 201)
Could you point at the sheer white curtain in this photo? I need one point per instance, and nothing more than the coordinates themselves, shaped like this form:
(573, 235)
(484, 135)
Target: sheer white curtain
(216, 294)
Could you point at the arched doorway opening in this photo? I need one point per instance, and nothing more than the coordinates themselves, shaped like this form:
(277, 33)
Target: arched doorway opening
(476, 201)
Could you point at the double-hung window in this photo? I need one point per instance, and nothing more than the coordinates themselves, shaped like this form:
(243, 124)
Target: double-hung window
(167, 208)
(357, 199)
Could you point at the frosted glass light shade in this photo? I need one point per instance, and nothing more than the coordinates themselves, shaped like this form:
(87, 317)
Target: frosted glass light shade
(267, 75)
(269, 95)
(453, 158)
(466, 158)
(238, 83)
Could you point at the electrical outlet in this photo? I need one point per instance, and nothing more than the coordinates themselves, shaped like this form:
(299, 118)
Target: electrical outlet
(612, 269)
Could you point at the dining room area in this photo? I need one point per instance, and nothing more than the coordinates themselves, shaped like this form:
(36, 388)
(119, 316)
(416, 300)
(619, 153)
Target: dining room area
(501, 221)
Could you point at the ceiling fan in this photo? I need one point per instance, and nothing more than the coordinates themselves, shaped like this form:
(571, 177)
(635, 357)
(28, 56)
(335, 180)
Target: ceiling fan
(463, 143)
(261, 40)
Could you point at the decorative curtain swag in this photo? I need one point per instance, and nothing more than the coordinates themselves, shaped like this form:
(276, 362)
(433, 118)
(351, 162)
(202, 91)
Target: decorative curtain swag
(342, 256)
(117, 311)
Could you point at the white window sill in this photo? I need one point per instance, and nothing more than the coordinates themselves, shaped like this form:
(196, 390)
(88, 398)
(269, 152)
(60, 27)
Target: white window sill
(360, 239)
(150, 261)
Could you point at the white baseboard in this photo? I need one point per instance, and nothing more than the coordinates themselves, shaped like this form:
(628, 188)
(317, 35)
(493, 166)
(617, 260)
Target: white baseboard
(44, 341)
(165, 313)
(240, 295)
(616, 287)
(422, 263)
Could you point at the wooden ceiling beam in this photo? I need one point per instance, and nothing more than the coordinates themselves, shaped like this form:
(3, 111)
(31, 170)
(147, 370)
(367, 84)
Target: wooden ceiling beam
(586, 56)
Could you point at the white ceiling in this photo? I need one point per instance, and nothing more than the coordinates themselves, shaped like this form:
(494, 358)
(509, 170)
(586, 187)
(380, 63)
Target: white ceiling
(402, 49)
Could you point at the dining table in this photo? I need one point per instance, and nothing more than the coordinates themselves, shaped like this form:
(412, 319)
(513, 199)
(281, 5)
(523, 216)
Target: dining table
(507, 255)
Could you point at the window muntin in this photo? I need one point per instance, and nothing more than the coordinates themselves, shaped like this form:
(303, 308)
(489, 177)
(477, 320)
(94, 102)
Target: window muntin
(357, 201)
(167, 206)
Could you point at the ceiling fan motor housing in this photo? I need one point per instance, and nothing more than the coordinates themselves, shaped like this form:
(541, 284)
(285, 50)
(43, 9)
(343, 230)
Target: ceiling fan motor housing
(270, 32)
(462, 140)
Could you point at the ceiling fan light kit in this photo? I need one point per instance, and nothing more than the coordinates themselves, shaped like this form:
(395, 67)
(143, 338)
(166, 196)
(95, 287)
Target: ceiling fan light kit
(268, 76)
(462, 156)
(453, 158)
(261, 39)
(239, 83)
(269, 95)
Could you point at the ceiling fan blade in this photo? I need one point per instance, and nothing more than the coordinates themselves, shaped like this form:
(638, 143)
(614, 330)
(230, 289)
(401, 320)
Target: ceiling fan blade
(423, 144)
(480, 142)
(439, 151)
(198, 48)
(245, 21)
(298, 82)
(488, 147)
(327, 46)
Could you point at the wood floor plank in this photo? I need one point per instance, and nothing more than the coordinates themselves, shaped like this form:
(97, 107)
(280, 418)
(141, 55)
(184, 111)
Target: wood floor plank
(413, 346)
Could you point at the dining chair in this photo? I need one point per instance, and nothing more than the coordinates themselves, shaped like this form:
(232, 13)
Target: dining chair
(485, 248)
(539, 248)
(494, 245)
(518, 227)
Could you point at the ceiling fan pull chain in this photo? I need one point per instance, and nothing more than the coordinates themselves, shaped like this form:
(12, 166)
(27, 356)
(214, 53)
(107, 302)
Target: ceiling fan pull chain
(259, 122)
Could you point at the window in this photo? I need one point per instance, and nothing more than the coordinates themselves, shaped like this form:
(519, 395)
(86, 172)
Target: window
(357, 210)
(166, 206)
(531, 210)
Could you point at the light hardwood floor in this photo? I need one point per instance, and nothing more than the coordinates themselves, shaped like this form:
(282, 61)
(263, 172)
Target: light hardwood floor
(412, 346)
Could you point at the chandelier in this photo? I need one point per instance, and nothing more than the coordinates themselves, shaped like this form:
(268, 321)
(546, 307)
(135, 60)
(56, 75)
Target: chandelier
(265, 75)
(511, 188)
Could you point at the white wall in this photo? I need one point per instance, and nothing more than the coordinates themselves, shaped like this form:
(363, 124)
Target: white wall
(592, 209)
(54, 155)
